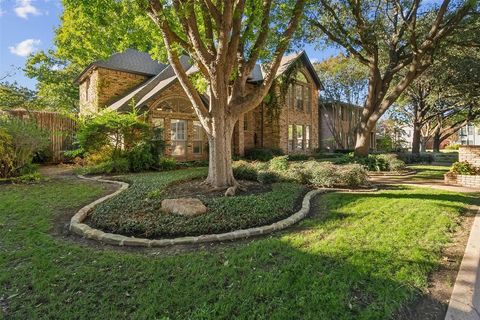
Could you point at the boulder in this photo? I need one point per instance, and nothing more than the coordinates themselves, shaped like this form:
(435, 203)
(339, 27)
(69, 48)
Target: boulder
(187, 207)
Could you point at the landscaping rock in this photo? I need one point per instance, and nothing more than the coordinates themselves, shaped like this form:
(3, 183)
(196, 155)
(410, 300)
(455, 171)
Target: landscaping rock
(188, 207)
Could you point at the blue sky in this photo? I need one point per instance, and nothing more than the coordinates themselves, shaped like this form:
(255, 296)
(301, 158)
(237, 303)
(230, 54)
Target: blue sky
(28, 25)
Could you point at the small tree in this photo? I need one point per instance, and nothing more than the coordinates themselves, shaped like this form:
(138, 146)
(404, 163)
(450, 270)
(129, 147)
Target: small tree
(395, 40)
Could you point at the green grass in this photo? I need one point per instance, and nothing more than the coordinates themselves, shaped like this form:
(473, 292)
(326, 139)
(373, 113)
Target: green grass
(362, 256)
(137, 211)
(428, 172)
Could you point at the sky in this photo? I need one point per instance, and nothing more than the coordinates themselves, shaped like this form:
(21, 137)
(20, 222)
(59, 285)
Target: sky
(27, 26)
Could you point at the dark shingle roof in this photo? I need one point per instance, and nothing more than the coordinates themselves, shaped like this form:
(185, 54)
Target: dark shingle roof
(130, 61)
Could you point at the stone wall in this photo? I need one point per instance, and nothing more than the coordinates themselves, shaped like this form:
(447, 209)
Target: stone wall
(463, 180)
(470, 154)
(102, 86)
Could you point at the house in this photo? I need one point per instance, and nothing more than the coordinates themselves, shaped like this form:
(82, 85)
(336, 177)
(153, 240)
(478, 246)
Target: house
(337, 125)
(287, 120)
(469, 135)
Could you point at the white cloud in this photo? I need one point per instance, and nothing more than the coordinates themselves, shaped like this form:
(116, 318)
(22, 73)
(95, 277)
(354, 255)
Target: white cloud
(24, 8)
(25, 47)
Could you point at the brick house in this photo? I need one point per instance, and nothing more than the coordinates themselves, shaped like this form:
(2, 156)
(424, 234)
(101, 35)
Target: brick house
(132, 79)
(337, 126)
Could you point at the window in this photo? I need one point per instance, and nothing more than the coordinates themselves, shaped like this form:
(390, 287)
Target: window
(299, 142)
(307, 98)
(307, 137)
(87, 89)
(290, 137)
(197, 137)
(179, 137)
(299, 96)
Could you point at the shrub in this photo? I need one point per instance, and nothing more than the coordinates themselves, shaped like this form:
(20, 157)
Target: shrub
(119, 165)
(453, 146)
(267, 177)
(279, 163)
(375, 162)
(410, 158)
(20, 140)
(323, 174)
(352, 175)
(262, 154)
(298, 157)
(244, 170)
(141, 157)
(464, 168)
(166, 163)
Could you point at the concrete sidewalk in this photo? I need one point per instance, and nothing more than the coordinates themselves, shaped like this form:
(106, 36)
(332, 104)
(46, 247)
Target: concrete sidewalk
(465, 300)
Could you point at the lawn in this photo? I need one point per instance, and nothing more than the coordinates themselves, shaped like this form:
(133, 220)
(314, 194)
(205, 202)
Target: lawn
(361, 256)
(137, 211)
(428, 172)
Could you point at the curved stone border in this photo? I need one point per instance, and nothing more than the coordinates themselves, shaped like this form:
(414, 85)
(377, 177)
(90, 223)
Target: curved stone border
(388, 174)
(77, 226)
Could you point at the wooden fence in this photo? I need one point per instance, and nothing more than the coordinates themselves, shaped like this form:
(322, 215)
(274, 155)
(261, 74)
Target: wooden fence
(60, 127)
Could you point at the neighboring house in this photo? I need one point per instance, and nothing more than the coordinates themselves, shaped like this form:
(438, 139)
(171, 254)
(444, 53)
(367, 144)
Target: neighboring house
(469, 135)
(338, 122)
(132, 79)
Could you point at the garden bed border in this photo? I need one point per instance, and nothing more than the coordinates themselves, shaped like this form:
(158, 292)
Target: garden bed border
(78, 227)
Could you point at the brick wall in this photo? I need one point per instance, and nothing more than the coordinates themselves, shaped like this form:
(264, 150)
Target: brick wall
(104, 86)
(470, 154)
(462, 180)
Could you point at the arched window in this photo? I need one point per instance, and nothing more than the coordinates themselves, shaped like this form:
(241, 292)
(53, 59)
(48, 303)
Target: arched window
(174, 104)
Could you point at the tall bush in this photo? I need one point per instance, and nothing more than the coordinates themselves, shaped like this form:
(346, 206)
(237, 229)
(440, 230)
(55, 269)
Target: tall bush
(20, 140)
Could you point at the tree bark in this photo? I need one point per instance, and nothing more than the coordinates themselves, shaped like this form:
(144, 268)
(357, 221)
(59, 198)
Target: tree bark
(417, 137)
(362, 144)
(436, 142)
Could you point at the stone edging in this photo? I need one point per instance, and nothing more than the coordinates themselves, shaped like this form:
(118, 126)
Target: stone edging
(78, 227)
(465, 299)
(388, 174)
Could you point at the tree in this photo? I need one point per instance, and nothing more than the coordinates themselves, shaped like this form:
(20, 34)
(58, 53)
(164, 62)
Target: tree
(344, 80)
(55, 87)
(14, 96)
(395, 40)
(446, 97)
(225, 39)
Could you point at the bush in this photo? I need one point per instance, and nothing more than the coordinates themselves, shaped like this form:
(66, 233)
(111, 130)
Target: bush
(410, 158)
(262, 154)
(113, 137)
(375, 162)
(20, 140)
(453, 146)
(464, 168)
(267, 177)
(244, 170)
(324, 174)
(166, 163)
(298, 157)
(352, 175)
(141, 158)
(279, 163)
(119, 165)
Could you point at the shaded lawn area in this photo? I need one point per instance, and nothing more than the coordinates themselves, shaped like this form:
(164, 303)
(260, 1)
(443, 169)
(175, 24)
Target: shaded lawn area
(360, 256)
(137, 210)
(428, 172)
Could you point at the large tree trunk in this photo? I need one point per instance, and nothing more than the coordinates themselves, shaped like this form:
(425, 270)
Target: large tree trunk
(436, 142)
(362, 144)
(416, 139)
(423, 144)
(220, 173)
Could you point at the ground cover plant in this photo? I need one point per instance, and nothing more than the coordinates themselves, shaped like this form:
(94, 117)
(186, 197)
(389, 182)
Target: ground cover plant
(137, 210)
(353, 259)
(376, 162)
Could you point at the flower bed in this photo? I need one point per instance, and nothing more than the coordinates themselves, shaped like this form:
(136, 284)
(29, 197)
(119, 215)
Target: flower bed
(463, 174)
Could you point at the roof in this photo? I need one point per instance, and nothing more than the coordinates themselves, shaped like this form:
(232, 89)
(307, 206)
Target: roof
(161, 76)
(130, 61)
